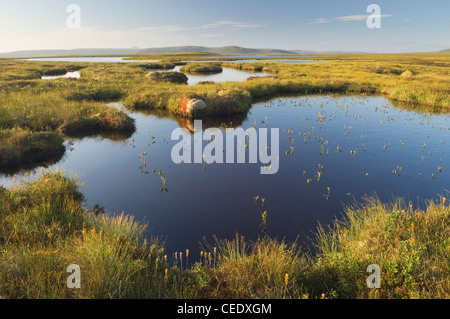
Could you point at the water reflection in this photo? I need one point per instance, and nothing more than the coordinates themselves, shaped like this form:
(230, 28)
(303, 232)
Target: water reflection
(89, 60)
(68, 75)
(226, 76)
(333, 150)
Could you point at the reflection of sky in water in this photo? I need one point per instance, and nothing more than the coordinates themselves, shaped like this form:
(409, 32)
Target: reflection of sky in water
(68, 75)
(225, 76)
(219, 200)
(88, 59)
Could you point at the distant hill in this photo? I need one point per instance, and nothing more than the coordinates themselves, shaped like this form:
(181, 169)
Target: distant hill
(179, 49)
(327, 52)
(82, 52)
(228, 50)
(233, 50)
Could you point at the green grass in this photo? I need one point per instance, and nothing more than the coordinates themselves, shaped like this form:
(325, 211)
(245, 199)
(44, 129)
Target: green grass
(157, 66)
(96, 94)
(77, 106)
(202, 68)
(169, 77)
(347, 74)
(36, 115)
(55, 72)
(44, 228)
(37, 243)
(411, 246)
(20, 147)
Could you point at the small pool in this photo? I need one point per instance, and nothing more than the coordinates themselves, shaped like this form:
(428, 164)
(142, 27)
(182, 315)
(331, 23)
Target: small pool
(333, 150)
(89, 59)
(227, 75)
(68, 75)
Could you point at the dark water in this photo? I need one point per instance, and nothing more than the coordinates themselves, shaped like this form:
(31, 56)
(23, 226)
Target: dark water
(205, 200)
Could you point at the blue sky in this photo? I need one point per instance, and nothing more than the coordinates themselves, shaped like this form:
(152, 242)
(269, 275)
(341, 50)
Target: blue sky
(407, 26)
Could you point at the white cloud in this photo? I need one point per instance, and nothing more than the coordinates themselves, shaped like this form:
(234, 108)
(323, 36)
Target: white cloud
(158, 29)
(210, 35)
(231, 24)
(361, 17)
(320, 21)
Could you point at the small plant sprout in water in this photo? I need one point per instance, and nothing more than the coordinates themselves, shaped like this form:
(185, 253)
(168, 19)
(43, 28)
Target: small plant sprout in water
(264, 222)
(152, 139)
(164, 180)
(398, 171)
(319, 173)
(328, 196)
(143, 167)
(263, 213)
(291, 152)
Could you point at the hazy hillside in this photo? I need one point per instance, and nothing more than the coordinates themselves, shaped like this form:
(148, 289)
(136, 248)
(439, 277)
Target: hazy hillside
(233, 50)
(90, 52)
(179, 49)
(229, 50)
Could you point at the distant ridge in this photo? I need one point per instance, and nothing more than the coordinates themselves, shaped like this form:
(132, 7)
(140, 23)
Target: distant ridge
(179, 49)
(228, 50)
(50, 53)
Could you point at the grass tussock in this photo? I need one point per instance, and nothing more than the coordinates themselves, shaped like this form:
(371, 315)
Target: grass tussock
(264, 269)
(169, 77)
(411, 246)
(97, 94)
(157, 66)
(40, 109)
(44, 228)
(201, 68)
(22, 147)
(55, 72)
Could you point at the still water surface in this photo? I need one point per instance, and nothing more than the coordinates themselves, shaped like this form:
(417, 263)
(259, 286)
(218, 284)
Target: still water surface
(365, 146)
(225, 76)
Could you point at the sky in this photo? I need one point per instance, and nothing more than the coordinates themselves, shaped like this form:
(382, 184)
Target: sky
(331, 25)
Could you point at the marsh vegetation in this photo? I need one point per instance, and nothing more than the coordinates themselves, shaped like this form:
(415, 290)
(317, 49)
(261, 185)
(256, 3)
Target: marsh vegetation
(52, 230)
(340, 141)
